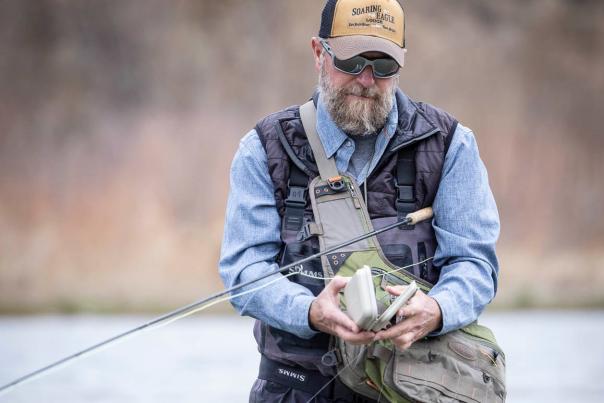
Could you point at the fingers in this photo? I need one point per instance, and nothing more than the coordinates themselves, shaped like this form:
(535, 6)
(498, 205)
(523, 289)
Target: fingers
(402, 334)
(325, 314)
(362, 337)
(339, 318)
(336, 322)
(413, 305)
(421, 316)
(395, 290)
(411, 309)
(337, 284)
(395, 331)
(404, 341)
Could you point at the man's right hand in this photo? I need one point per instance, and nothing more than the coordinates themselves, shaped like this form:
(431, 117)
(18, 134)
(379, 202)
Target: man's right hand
(326, 316)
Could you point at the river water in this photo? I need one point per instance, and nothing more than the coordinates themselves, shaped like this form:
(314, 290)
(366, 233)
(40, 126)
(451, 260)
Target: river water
(551, 357)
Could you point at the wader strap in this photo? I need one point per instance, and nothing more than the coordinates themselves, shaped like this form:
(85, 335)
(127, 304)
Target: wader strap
(295, 377)
(327, 166)
(297, 186)
(405, 182)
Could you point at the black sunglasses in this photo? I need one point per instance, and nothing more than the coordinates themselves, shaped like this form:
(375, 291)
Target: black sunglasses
(384, 67)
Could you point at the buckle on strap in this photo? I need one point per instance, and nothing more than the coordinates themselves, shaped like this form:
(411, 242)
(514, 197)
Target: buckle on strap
(405, 201)
(404, 193)
(296, 196)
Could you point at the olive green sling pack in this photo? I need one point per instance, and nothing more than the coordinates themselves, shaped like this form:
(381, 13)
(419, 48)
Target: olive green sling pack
(465, 365)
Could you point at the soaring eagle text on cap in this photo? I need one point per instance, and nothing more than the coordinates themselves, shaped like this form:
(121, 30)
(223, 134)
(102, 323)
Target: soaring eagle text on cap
(374, 9)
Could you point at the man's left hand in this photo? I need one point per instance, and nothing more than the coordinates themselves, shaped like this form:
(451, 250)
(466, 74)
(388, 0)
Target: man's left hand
(421, 316)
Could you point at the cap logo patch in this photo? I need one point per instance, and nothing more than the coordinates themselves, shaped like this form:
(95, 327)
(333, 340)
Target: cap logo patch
(380, 18)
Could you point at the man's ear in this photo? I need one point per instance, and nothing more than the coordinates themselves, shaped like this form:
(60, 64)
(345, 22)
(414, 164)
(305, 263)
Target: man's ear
(317, 49)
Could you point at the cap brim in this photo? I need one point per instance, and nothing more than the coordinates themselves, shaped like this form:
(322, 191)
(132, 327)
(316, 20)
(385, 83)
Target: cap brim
(345, 47)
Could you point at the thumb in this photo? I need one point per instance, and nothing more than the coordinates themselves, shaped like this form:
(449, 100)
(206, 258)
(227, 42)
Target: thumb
(337, 284)
(396, 290)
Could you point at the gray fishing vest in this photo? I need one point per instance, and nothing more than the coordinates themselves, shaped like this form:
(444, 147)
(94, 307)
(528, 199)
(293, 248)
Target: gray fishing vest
(405, 179)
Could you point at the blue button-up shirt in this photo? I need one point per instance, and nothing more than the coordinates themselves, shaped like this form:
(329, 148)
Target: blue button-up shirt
(465, 221)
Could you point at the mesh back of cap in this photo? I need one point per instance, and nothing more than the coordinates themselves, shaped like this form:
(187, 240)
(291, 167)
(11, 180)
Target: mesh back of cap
(327, 18)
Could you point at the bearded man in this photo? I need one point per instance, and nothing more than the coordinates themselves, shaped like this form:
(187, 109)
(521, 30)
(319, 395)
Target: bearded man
(405, 155)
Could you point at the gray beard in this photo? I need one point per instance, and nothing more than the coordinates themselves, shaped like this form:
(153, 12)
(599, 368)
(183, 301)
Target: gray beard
(356, 117)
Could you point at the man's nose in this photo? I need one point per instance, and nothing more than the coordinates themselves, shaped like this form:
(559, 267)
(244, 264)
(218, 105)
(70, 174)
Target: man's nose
(366, 78)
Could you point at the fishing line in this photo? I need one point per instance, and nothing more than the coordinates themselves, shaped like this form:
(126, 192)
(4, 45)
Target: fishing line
(301, 273)
(152, 325)
(353, 361)
(191, 312)
(410, 219)
(156, 324)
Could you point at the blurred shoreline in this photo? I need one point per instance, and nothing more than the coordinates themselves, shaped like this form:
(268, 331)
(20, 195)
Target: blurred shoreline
(119, 120)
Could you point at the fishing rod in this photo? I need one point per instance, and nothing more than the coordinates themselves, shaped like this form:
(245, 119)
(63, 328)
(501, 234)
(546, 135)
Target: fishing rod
(411, 219)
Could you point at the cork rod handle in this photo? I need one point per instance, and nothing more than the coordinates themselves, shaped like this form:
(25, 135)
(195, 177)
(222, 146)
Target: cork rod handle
(420, 215)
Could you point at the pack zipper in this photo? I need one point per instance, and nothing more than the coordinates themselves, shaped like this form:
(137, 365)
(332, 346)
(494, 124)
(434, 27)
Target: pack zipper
(487, 343)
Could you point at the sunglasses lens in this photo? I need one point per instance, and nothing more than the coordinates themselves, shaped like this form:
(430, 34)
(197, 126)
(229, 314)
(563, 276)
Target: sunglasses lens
(382, 68)
(385, 67)
(353, 65)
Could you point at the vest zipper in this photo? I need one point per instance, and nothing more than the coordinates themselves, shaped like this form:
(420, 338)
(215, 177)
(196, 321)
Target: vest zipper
(415, 140)
(486, 343)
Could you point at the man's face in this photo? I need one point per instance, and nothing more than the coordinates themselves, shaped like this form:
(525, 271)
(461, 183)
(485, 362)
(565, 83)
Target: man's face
(358, 104)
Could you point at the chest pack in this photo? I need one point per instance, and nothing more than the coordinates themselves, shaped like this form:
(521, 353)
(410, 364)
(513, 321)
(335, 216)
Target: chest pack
(465, 365)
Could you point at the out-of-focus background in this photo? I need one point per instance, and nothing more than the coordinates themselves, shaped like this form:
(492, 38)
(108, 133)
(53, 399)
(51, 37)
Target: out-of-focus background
(118, 123)
(119, 120)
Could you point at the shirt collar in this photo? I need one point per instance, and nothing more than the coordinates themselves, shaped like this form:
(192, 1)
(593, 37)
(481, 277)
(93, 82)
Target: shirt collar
(332, 137)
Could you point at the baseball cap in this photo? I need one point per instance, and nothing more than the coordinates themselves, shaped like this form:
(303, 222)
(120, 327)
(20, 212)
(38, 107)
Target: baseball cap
(353, 27)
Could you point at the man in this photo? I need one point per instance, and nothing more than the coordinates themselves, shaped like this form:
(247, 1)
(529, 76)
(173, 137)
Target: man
(407, 156)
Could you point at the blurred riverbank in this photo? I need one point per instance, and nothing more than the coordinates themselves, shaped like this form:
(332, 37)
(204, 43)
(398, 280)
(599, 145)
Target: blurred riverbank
(567, 281)
(119, 120)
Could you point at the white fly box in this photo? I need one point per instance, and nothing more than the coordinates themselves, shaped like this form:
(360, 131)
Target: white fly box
(361, 305)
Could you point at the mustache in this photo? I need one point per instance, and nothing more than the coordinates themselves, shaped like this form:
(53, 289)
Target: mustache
(355, 89)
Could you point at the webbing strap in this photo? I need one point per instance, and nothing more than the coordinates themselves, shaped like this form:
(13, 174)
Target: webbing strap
(405, 182)
(327, 166)
(296, 199)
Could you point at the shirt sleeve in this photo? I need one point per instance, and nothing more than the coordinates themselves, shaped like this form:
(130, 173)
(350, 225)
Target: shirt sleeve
(466, 223)
(252, 240)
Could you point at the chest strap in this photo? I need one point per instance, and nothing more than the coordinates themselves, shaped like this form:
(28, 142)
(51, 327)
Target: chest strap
(298, 181)
(327, 166)
(297, 187)
(405, 182)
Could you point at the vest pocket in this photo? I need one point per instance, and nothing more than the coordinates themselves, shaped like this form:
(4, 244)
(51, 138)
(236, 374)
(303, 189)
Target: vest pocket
(450, 368)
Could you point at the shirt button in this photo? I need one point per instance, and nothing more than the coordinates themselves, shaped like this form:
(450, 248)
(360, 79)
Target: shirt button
(348, 143)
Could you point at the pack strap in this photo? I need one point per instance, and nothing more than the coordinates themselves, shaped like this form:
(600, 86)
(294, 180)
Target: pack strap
(327, 166)
(405, 182)
(297, 188)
